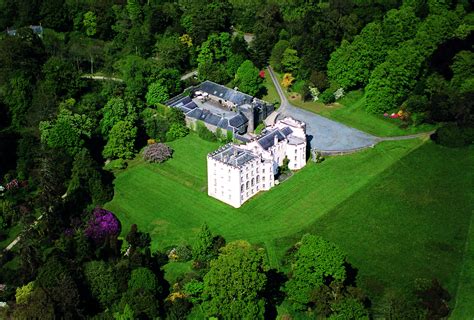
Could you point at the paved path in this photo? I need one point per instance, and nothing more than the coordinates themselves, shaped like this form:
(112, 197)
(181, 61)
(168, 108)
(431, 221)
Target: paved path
(328, 135)
(323, 133)
(18, 238)
(189, 75)
(93, 77)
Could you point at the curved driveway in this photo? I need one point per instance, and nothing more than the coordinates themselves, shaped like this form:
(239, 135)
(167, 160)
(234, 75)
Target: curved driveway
(324, 134)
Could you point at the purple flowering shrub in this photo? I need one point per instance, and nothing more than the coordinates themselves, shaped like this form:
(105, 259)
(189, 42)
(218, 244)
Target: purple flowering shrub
(102, 224)
(157, 152)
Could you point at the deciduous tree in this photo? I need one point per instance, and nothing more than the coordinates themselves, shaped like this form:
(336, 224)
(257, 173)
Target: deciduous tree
(234, 284)
(247, 78)
(315, 261)
(121, 143)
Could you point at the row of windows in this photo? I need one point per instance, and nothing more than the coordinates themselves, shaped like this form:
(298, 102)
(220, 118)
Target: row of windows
(250, 183)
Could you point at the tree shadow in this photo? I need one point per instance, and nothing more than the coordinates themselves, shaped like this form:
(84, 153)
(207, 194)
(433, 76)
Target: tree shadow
(273, 293)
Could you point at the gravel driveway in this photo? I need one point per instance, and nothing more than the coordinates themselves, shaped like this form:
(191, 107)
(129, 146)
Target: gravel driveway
(324, 134)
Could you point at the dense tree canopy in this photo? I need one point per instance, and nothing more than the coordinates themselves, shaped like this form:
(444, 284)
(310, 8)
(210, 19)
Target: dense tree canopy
(234, 284)
(64, 135)
(248, 79)
(315, 261)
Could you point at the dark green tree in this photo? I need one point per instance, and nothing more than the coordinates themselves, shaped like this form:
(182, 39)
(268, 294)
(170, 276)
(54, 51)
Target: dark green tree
(121, 142)
(247, 78)
(102, 282)
(67, 131)
(234, 283)
(315, 262)
(202, 250)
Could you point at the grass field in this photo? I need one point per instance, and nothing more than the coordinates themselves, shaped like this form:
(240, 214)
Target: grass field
(465, 294)
(401, 210)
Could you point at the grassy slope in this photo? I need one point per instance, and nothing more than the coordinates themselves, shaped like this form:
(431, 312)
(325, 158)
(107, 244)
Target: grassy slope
(410, 222)
(465, 294)
(271, 94)
(400, 210)
(171, 202)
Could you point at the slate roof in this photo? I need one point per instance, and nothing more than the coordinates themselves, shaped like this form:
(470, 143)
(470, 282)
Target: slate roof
(223, 92)
(268, 140)
(185, 103)
(233, 155)
(238, 120)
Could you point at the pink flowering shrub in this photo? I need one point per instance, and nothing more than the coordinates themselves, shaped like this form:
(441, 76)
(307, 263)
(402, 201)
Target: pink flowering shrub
(157, 152)
(102, 224)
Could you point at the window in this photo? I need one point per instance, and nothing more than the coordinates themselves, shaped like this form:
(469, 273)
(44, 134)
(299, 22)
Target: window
(258, 179)
(215, 182)
(295, 158)
(253, 182)
(247, 176)
(247, 185)
(228, 178)
(242, 187)
(263, 178)
(263, 170)
(264, 185)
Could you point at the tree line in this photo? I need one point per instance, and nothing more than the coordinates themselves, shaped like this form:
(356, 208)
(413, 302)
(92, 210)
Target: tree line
(61, 136)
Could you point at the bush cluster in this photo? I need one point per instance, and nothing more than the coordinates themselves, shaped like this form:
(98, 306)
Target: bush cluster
(157, 152)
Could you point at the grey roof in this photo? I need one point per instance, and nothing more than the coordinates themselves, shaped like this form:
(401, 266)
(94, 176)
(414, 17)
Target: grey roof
(286, 131)
(238, 121)
(268, 140)
(195, 113)
(181, 101)
(185, 107)
(209, 117)
(225, 93)
(233, 155)
(224, 124)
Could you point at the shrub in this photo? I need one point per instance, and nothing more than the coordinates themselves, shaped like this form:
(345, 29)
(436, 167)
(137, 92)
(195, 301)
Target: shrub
(451, 135)
(339, 93)
(327, 96)
(158, 152)
(184, 253)
(117, 164)
(176, 131)
(298, 86)
(102, 224)
(204, 133)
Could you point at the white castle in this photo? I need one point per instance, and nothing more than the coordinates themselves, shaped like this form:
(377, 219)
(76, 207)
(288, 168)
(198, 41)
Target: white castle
(235, 173)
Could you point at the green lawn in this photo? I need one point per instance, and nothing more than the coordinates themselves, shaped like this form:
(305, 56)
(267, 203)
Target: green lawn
(412, 221)
(465, 294)
(400, 210)
(271, 92)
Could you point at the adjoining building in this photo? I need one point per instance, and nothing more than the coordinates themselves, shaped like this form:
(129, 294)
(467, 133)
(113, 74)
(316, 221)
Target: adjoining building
(235, 173)
(220, 107)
